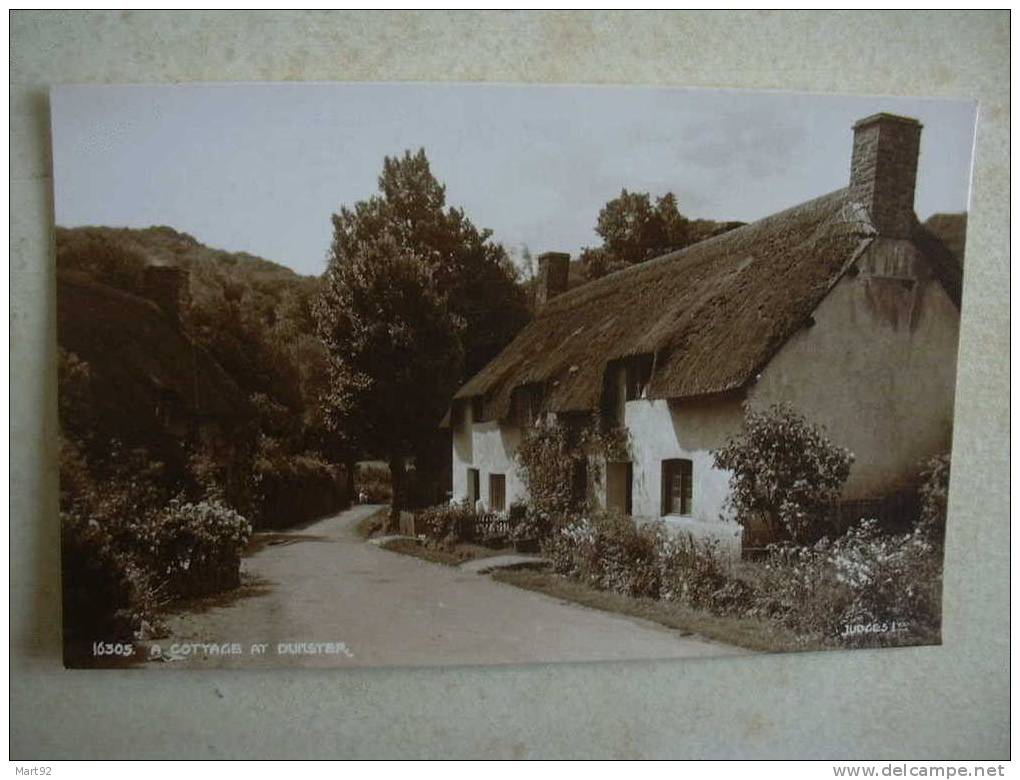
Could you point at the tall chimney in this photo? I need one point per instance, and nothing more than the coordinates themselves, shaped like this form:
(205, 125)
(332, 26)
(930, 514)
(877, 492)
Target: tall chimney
(553, 273)
(883, 171)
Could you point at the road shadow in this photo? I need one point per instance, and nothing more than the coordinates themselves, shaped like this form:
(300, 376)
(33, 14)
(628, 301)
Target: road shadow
(252, 586)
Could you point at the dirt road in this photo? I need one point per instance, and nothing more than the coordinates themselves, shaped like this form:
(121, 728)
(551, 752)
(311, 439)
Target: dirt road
(331, 599)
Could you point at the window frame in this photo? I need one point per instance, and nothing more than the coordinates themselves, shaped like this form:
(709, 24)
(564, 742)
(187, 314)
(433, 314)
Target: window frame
(682, 469)
(638, 376)
(527, 402)
(474, 485)
(495, 478)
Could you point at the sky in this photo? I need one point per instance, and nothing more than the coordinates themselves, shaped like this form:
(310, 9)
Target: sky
(261, 167)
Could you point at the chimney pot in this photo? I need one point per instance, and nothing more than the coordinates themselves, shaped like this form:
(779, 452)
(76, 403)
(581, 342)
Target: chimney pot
(883, 171)
(553, 275)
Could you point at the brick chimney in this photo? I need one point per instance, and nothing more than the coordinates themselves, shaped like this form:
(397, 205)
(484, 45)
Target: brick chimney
(167, 287)
(883, 171)
(553, 272)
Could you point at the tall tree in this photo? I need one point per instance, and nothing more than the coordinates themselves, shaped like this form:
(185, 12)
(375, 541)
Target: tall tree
(416, 298)
(635, 230)
(393, 346)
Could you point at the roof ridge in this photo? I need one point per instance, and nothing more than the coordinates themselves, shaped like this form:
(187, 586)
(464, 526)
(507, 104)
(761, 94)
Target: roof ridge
(611, 279)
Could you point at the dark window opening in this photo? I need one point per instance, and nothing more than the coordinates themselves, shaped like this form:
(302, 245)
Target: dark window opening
(624, 380)
(579, 483)
(497, 492)
(478, 409)
(527, 404)
(677, 486)
(620, 487)
(639, 374)
(473, 486)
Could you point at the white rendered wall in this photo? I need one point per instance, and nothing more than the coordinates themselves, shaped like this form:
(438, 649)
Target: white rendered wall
(488, 447)
(662, 430)
(877, 369)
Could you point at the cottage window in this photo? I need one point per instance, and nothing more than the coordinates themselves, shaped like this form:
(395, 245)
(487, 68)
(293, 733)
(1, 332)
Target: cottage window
(497, 492)
(620, 487)
(474, 488)
(478, 409)
(639, 374)
(527, 404)
(677, 486)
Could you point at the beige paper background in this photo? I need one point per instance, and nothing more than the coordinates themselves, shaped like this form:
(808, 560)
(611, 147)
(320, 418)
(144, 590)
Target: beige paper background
(935, 702)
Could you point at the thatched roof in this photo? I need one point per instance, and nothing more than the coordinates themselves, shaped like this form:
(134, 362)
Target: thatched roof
(712, 314)
(137, 355)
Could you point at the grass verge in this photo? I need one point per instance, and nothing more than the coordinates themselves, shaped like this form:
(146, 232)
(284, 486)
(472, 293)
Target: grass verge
(752, 633)
(449, 557)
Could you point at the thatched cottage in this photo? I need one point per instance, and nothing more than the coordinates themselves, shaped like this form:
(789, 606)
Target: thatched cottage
(845, 306)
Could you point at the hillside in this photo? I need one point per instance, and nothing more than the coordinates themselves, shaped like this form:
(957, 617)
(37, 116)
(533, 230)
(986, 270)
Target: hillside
(218, 384)
(254, 316)
(952, 230)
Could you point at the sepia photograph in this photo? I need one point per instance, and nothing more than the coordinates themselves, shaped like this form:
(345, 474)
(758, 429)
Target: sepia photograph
(393, 374)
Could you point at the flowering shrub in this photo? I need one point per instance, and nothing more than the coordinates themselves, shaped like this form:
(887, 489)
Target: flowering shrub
(610, 552)
(837, 590)
(196, 548)
(447, 522)
(694, 573)
(527, 524)
(107, 595)
(863, 578)
(786, 475)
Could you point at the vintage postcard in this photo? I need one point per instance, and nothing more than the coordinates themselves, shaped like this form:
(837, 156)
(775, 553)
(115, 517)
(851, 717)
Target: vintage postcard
(394, 374)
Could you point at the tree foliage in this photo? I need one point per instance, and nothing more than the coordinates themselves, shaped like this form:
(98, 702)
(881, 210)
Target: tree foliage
(253, 318)
(785, 474)
(415, 299)
(635, 228)
(558, 460)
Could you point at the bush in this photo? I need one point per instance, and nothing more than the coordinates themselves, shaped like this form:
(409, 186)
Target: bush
(863, 588)
(295, 488)
(447, 522)
(692, 572)
(610, 552)
(786, 476)
(106, 594)
(864, 579)
(196, 548)
(374, 484)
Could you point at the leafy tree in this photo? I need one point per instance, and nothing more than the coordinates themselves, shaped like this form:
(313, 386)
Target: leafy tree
(416, 298)
(474, 274)
(394, 348)
(786, 474)
(634, 229)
